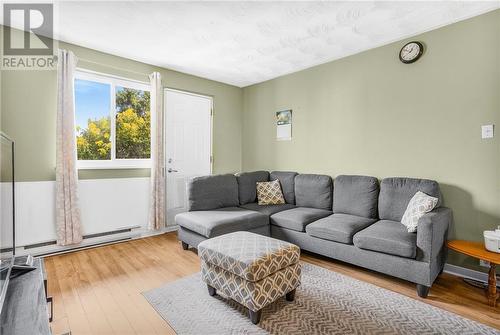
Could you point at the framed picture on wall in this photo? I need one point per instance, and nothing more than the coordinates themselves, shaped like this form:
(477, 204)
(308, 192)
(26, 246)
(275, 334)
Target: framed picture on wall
(284, 125)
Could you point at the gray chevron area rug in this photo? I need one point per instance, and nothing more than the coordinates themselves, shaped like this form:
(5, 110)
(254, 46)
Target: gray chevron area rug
(325, 303)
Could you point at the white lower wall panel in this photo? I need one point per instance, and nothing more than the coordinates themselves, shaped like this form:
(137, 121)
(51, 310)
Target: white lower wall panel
(35, 208)
(105, 204)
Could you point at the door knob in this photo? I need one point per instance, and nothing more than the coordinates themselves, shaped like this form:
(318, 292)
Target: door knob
(170, 170)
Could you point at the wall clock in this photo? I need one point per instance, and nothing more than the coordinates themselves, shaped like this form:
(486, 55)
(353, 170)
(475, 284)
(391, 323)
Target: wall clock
(411, 52)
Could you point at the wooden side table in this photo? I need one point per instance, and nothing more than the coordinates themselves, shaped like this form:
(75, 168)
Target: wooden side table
(477, 250)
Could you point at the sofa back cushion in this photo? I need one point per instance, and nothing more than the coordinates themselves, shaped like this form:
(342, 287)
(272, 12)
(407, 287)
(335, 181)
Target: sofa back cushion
(287, 181)
(396, 193)
(356, 195)
(313, 190)
(212, 192)
(247, 185)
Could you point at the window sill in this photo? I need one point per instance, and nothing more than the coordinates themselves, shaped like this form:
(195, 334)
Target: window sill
(114, 165)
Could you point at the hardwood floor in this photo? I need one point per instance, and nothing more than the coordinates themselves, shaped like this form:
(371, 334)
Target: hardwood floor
(98, 291)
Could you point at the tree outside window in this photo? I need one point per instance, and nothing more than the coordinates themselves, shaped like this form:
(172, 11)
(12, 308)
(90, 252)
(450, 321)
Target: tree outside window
(133, 124)
(94, 133)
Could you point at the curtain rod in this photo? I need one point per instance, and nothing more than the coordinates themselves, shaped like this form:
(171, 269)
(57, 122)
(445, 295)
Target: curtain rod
(113, 67)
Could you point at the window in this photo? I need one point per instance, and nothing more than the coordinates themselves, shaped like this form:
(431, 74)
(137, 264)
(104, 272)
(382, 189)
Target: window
(93, 123)
(113, 122)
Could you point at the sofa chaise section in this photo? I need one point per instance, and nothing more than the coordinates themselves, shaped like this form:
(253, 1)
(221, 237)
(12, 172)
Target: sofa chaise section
(221, 221)
(213, 210)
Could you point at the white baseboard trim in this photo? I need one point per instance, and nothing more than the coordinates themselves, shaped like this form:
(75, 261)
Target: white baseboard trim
(168, 229)
(466, 273)
(51, 250)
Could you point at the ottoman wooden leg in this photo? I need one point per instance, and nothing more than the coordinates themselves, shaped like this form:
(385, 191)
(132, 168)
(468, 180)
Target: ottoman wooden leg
(290, 295)
(185, 246)
(211, 290)
(255, 316)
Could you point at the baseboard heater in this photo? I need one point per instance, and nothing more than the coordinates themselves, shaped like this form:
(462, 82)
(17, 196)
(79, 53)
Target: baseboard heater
(86, 238)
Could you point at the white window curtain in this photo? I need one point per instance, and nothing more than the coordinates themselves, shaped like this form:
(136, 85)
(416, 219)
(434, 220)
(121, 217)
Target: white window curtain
(67, 210)
(157, 197)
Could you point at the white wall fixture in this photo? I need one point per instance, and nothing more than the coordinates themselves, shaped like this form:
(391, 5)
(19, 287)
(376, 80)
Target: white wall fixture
(487, 131)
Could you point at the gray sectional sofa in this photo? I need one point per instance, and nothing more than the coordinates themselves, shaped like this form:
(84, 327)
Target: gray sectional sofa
(354, 219)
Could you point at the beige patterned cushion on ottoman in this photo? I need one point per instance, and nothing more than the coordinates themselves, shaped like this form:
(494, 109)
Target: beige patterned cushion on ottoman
(251, 269)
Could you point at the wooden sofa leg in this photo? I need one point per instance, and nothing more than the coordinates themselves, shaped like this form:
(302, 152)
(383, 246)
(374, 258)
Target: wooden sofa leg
(290, 296)
(211, 290)
(255, 316)
(423, 290)
(185, 246)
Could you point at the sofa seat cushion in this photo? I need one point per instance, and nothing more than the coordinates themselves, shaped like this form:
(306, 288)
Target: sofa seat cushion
(389, 237)
(221, 221)
(298, 218)
(338, 227)
(267, 209)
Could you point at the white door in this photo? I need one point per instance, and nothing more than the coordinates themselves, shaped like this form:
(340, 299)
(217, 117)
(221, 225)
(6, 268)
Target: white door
(188, 127)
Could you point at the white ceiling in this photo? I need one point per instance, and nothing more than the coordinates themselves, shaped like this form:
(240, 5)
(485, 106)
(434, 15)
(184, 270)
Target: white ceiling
(243, 43)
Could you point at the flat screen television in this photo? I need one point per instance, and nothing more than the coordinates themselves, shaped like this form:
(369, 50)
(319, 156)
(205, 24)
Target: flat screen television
(7, 214)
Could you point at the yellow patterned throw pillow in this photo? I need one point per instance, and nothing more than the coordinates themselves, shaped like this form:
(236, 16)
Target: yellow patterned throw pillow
(269, 193)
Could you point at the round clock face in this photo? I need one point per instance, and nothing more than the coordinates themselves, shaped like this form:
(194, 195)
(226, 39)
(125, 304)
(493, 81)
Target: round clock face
(411, 52)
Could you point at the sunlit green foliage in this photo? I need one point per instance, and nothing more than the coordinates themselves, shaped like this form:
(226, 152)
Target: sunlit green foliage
(133, 129)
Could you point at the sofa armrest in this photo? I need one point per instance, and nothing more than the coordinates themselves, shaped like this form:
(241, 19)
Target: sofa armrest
(432, 233)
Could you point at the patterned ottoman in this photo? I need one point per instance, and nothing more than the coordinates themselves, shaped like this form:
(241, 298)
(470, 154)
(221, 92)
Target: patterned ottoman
(251, 269)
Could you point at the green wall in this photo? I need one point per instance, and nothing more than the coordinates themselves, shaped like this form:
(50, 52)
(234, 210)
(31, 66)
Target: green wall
(371, 114)
(28, 113)
(364, 114)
